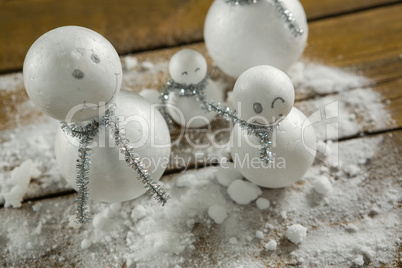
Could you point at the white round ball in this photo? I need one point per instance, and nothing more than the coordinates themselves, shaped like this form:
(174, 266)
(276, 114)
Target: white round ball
(70, 72)
(263, 95)
(294, 151)
(187, 67)
(110, 178)
(186, 110)
(243, 36)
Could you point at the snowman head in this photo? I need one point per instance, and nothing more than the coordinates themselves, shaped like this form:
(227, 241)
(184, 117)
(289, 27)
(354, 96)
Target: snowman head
(187, 67)
(71, 72)
(263, 95)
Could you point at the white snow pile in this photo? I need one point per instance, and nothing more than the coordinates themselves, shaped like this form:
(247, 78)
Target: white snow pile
(344, 213)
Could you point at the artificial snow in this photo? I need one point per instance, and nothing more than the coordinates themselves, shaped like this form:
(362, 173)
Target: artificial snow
(351, 212)
(262, 203)
(243, 192)
(322, 185)
(217, 213)
(271, 245)
(296, 233)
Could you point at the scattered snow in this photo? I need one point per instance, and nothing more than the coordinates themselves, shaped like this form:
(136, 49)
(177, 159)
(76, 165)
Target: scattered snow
(217, 213)
(350, 208)
(243, 192)
(271, 245)
(322, 185)
(296, 233)
(262, 203)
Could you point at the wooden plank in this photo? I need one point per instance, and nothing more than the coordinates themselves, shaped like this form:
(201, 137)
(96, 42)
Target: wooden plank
(128, 25)
(367, 42)
(54, 239)
(321, 9)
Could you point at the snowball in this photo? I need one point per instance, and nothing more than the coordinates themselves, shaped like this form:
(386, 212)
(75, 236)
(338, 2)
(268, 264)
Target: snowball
(130, 62)
(262, 203)
(233, 240)
(227, 173)
(259, 234)
(284, 215)
(351, 228)
(322, 185)
(217, 213)
(85, 244)
(359, 261)
(243, 192)
(271, 245)
(19, 181)
(296, 233)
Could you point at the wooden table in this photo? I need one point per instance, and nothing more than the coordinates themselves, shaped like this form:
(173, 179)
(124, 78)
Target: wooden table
(363, 37)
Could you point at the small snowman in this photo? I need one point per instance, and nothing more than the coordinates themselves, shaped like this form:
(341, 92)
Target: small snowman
(279, 144)
(240, 34)
(74, 74)
(188, 71)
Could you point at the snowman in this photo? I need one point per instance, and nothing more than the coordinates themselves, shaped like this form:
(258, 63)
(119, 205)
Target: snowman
(240, 34)
(112, 142)
(264, 97)
(188, 71)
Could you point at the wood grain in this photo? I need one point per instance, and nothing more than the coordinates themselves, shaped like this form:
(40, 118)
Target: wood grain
(321, 9)
(130, 25)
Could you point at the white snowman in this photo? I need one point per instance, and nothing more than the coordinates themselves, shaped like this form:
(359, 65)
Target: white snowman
(240, 34)
(264, 96)
(74, 74)
(188, 71)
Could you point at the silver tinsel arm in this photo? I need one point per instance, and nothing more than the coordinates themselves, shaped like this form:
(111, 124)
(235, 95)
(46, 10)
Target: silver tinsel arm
(85, 134)
(263, 133)
(133, 159)
(289, 19)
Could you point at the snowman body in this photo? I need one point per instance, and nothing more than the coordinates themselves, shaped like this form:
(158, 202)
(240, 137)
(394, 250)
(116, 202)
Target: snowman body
(187, 111)
(239, 37)
(110, 178)
(294, 147)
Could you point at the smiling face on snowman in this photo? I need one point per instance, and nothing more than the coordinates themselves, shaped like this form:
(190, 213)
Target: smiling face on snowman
(71, 72)
(263, 95)
(187, 67)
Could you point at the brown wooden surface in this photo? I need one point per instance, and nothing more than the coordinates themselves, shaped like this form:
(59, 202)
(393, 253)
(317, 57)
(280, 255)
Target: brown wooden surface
(367, 42)
(130, 25)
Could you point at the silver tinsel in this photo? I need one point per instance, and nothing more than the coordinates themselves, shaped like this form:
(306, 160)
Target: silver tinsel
(289, 18)
(85, 135)
(281, 7)
(183, 91)
(133, 160)
(264, 134)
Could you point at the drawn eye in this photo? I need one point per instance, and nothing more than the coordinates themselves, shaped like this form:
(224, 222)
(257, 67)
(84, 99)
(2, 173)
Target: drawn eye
(198, 69)
(78, 74)
(184, 73)
(95, 58)
(257, 107)
(277, 98)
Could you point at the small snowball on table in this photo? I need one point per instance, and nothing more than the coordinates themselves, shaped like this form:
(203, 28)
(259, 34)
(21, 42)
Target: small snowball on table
(262, 203)
(233, 240)
(271, 245)
(227, 173)
(85, 244)
(322, 185)
(259, 234)
(296, 233)
(359, 261)
(130, 62)
(217, 213)
(243, 192)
